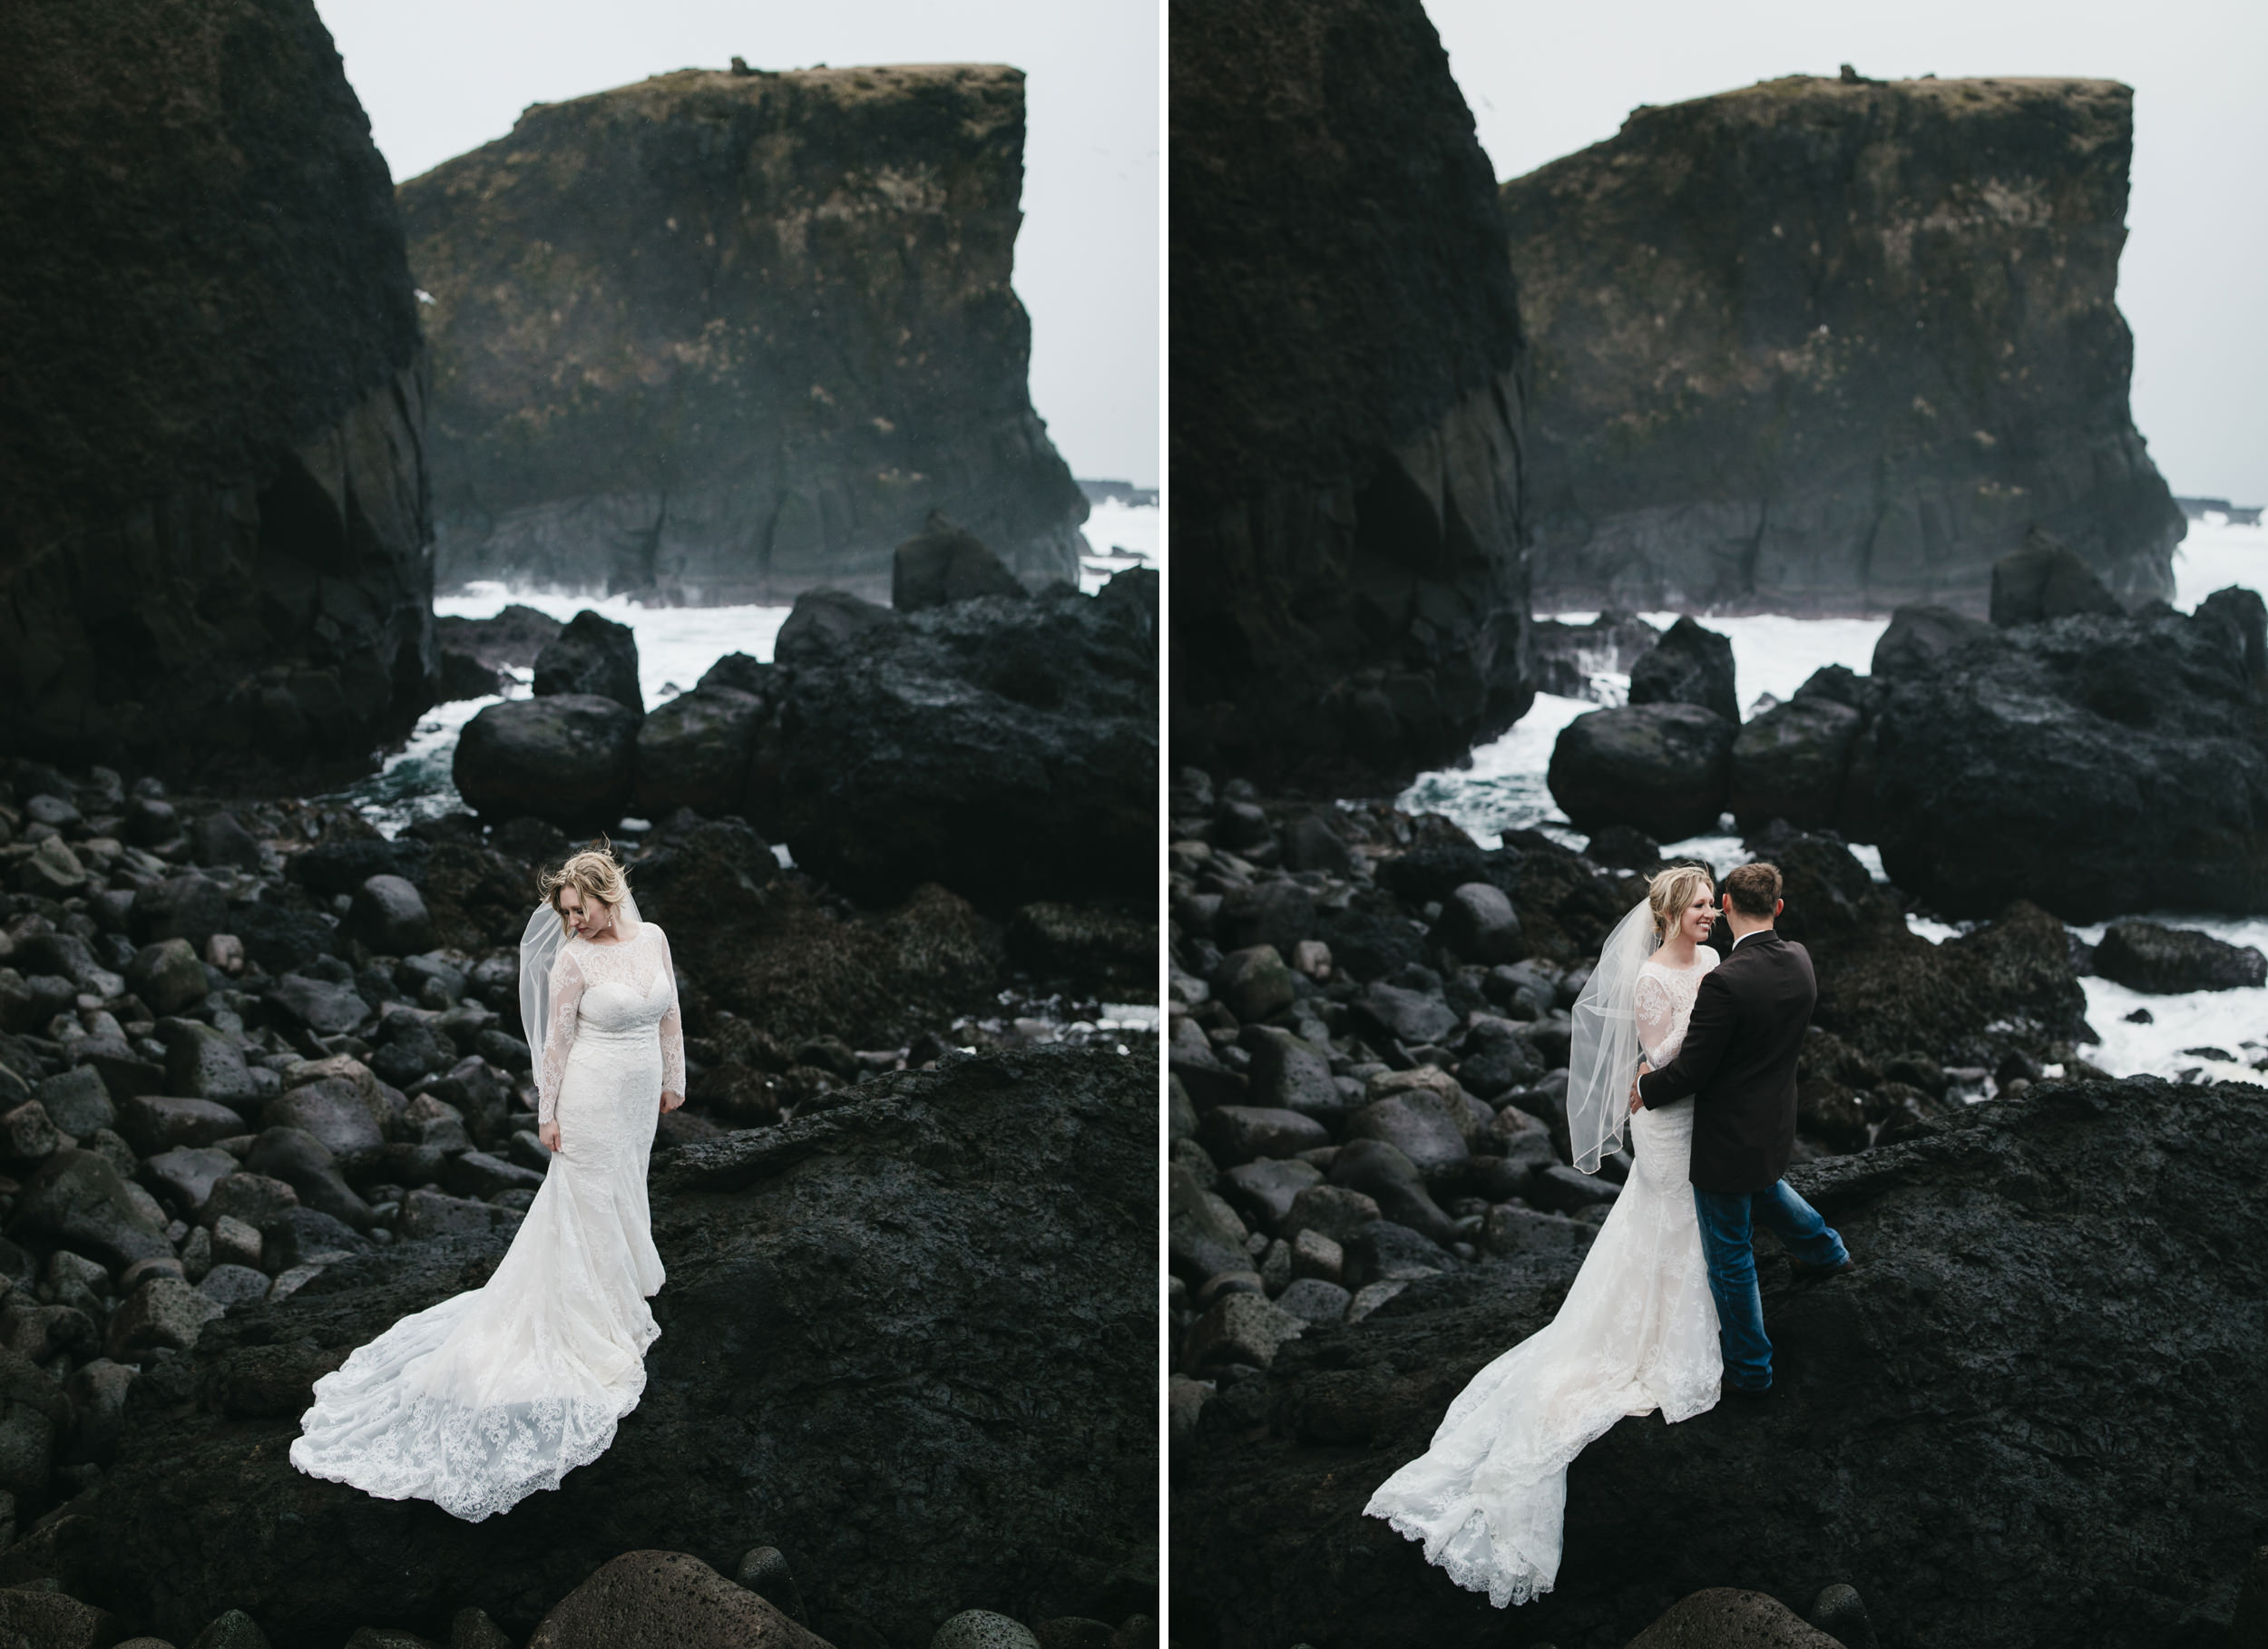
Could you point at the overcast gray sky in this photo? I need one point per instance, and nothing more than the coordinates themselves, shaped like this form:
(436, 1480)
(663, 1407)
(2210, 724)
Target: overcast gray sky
(439, 77)
(1544, 80)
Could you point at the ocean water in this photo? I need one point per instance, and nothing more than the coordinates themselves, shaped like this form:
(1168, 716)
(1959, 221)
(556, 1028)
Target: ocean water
(675, 646)
(1503, 788)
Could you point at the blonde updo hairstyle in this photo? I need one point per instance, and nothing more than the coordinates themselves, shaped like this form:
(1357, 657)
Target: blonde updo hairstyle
(591, 873)
(1671, 891)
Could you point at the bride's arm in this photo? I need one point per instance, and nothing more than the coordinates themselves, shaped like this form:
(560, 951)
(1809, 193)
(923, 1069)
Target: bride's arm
(1708, 1034)
(1656, 1013)
(559, 1041)
(672, 1036)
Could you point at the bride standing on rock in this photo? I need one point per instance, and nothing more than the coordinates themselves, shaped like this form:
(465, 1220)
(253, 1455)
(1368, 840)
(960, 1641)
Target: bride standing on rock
(479, 1402)
(1639, 1329)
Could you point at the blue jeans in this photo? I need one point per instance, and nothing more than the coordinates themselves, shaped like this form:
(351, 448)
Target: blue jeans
(1727, 1240)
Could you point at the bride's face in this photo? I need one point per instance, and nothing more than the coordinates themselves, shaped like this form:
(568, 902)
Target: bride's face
(1700, 917)
(585, 916)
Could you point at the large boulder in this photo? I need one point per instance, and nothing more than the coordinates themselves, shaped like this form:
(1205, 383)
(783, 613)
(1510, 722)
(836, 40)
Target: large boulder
(681, 350)
(1788, 359)
(666, 1600)
(1689, 665)
(698, 750)
(2093, 764)
(1005, 747)
(988, 1227)
(2043, 580)
(569, 759)
(1790, 763)
(2147, 956)
(215, 554)
(78, 1201)
(1662, 768)
(944, 562)
(592, 656)
(1349, 593)
(1981, 1291)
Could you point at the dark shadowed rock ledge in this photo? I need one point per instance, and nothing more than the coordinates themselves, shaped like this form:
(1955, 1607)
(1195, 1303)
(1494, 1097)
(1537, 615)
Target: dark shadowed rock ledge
(1350, 594)
(212, 549)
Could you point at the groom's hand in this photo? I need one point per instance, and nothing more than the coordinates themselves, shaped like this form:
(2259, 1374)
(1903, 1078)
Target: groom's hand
(1635, 1100)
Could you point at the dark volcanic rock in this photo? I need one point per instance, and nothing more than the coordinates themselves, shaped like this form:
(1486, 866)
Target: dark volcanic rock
(1662, 768)
(2145, 956)
(567, 759)
(215, 545)
(1790, 763)
(2043, 580)
(593, 657)
(699, 750)
(2093, 764)
(680, 347)
(1982, 1308)
(1350, 589)
(943, 564)
(1885, 371)
(947, 1281)
(1689, 666)
(514, 635)
(1005, 747)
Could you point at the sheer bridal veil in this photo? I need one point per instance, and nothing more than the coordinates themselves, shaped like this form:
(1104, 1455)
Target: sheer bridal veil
(1603, 1050)
(540, 946)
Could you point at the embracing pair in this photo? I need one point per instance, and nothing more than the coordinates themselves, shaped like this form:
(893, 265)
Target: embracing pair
(1694, 1055)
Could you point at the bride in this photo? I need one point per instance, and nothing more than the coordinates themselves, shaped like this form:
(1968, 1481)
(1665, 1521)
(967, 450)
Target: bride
(479, 1402)
(1637, 1331)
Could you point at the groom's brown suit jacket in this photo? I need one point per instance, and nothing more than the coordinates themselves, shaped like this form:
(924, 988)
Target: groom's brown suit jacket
(1738, 1061)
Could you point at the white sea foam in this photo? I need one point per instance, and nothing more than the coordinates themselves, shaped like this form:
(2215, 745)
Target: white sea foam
(1503, 788)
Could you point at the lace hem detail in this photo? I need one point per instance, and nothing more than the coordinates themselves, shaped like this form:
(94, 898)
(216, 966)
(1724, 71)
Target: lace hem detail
(1505, 1590)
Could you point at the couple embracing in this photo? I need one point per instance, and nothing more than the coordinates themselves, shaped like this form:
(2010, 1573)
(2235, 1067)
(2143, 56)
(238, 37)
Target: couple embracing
(1696, 1057)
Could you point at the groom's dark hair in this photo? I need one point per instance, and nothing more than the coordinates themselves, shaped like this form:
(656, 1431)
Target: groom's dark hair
(1753, 889)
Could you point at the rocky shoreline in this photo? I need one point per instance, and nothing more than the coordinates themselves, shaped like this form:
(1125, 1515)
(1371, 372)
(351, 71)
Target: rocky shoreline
(263, 1089)
(1368, 1044)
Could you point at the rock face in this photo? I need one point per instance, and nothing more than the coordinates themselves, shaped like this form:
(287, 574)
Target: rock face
(1349, 593)
(1830, 346)
(213, 557)
(911, 1341)
(720, 337)
(1983, 1303)
(2090, 764)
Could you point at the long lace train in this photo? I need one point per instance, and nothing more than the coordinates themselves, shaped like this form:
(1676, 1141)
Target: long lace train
(1638, 1331)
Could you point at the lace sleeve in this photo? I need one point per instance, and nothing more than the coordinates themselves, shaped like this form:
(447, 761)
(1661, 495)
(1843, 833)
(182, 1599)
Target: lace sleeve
(1656, 1008)
(559, 1036)
(673, 1026)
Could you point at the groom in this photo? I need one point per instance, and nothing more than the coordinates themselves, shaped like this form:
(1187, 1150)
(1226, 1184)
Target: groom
(1738, 1061)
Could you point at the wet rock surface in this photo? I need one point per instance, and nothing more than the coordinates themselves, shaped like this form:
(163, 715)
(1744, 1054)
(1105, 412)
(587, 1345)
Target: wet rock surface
(1350, 585)
(2034, 1268)
(725, 233)
(946, 1281)
(1809, 261)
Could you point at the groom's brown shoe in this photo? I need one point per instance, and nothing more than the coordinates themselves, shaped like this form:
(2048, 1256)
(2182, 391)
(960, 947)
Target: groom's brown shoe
(1725, 1387)
(1802, 1270)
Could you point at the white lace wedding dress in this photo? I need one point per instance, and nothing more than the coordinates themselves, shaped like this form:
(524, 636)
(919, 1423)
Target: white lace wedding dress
(1636, 1332)
(479, 1402)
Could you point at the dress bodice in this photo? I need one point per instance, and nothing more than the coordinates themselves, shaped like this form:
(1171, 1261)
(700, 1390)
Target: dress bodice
(608, 994)
(1664, 1004)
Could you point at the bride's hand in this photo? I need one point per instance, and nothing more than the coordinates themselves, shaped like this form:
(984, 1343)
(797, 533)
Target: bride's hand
(670, 1101)
(548, 1132)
